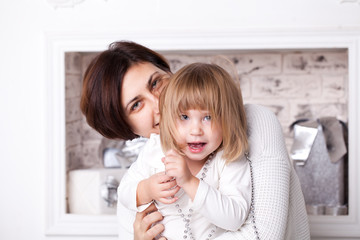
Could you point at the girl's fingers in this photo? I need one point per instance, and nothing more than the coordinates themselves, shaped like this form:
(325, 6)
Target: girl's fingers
(168, 184)
(168, 200)
(171, 152)
(171, 169)
(164, 178)
(170, 192)
(173, 191)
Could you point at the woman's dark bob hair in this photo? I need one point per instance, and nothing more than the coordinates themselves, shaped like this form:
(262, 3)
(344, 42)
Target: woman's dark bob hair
(102, 86)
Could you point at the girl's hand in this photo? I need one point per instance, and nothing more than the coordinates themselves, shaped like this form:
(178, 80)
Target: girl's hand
(143, 225)
(159, 187)
(176, 166)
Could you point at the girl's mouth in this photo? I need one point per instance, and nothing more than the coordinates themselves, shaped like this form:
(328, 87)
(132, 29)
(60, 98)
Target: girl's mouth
(196, 147)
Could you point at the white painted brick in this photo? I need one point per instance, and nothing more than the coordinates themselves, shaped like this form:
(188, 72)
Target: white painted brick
(324, 62)
(318, 110)
(91, 158)
(280, 108)
(72, 109)
(87, 132)
(257, 64)
(86, 59)
(73, 62)
(243, 64)
(226, 63)
(178, 61)
(333, 86)
(73, 85)
(245, 87)
(288, 86)
(73, 133)
(74, 156)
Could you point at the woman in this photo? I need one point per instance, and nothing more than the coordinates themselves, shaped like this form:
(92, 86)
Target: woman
(120, 100)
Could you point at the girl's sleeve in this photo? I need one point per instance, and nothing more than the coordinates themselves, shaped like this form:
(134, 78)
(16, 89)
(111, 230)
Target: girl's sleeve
(228, 206)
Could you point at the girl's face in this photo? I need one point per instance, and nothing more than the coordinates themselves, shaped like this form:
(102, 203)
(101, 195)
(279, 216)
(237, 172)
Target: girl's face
(141, 87)
(197, 134)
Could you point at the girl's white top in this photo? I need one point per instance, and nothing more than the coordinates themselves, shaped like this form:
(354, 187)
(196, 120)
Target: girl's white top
(221, 203)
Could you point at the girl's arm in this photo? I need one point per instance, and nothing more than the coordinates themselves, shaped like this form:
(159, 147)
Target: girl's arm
(159, 187)
(139, 187)
(228, 206)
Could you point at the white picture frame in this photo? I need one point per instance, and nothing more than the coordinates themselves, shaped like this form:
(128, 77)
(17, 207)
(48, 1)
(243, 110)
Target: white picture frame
(59, 223)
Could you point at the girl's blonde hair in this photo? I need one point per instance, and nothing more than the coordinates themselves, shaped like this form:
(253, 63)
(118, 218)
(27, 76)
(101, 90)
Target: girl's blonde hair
(205, 87)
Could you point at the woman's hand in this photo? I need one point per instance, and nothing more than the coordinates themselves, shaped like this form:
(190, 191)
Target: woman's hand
(143, 229)
(159, 187)
(176, 166)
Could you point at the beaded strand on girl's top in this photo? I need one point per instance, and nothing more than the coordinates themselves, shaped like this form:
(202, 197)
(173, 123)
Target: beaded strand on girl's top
(187, 216)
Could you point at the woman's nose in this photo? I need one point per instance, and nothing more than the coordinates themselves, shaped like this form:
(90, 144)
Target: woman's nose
(155, 101)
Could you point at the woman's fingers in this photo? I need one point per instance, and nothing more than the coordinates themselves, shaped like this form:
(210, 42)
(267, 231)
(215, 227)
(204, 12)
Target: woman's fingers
(139, 224)
(154, 231)
(143, 228)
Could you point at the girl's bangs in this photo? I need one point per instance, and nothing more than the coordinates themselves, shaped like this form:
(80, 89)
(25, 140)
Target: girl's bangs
(199, 96)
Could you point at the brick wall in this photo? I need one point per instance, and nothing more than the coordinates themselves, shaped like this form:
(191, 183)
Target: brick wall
(293, 84)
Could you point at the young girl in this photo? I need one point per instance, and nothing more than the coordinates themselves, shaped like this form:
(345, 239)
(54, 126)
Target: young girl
(201, 185)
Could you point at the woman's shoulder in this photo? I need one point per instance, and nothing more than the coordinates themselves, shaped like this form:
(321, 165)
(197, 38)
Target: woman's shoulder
(258, 113)
(264, 129)
(260, 117)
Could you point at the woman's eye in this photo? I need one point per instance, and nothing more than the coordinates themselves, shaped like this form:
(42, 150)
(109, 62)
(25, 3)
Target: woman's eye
(135, 106)
(154, 83)
(184, 117)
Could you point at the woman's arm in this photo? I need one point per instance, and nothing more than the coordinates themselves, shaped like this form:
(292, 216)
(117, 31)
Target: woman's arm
(278, 201)
(127, 190)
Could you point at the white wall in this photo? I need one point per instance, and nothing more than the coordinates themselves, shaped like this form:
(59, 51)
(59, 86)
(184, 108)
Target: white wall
(23, 25)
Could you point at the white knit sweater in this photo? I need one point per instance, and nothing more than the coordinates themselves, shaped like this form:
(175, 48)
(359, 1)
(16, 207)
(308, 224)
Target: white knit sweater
(279, 203)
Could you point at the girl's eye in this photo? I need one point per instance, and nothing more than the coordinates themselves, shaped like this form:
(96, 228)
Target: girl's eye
(207, 118)
(184, 117)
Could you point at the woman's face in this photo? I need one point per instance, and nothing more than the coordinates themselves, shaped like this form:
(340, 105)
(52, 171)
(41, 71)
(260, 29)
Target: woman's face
(141, 87)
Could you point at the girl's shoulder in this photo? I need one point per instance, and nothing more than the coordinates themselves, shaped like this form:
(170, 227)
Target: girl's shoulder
(220, 162)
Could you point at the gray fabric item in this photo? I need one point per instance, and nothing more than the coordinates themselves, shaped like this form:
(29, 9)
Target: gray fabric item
(322, 176)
